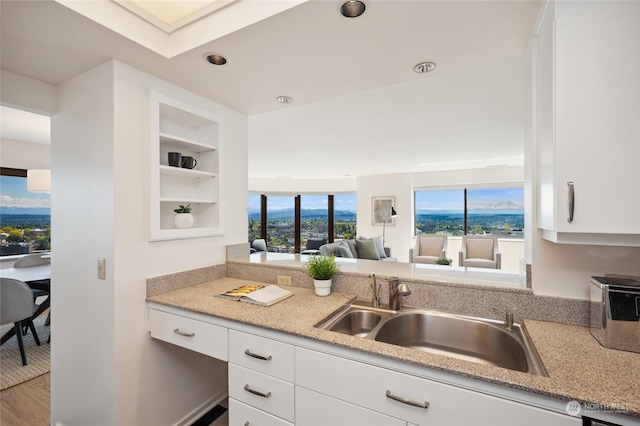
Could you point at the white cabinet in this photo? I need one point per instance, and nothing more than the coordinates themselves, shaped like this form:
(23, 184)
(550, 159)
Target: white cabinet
(410, 398)
(316, 409)
(587, 84)
(199, 336)
(175, 126)
(261, 376)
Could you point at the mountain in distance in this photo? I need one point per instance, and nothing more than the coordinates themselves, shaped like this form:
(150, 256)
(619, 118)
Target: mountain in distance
(505, 205)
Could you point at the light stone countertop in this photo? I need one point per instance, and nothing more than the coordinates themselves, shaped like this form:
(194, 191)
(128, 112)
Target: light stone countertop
(579, 367)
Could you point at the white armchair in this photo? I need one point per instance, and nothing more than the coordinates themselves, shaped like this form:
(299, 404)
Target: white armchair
(428, 248)
(480, 252)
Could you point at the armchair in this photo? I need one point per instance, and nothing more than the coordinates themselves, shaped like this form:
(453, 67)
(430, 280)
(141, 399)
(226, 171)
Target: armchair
(480, 252)
(258, 245)
(428, 248)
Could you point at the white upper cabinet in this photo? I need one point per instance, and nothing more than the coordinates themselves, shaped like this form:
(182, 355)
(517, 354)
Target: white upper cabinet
(175, 126)
(587, 122)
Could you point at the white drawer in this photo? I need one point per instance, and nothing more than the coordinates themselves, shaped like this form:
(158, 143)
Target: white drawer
(316, 409)
(264, 355)
(367, 386)
(267, 393)
(196, 335)
(242, 414)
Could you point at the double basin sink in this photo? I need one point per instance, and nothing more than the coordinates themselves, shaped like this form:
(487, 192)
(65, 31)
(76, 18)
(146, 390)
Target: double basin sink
(480, 340)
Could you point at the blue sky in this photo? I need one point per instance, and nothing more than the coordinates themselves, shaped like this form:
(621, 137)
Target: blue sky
(481, 199)
(15, 199)
(341, 202)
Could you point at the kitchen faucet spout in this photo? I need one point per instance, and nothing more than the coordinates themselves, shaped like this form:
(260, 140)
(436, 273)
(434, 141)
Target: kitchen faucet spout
(395, 291)
(375, 298)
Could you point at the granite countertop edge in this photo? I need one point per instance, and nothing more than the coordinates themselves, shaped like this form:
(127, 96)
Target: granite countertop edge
(579, 368)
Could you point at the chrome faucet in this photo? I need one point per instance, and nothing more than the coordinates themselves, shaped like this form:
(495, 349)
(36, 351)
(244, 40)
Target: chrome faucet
(395, 291)
(508, 318)
(375, 299)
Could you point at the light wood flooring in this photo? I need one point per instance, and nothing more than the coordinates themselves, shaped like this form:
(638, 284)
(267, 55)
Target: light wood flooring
(27, 404)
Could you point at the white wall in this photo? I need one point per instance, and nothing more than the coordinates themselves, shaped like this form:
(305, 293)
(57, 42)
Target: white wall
(24, 155)
(105, 367)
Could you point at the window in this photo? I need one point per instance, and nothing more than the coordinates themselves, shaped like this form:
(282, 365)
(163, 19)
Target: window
(287, 222)
(25, 217)
(456, 212)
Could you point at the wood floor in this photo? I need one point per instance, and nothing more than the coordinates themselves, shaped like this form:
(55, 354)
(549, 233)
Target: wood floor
(27, 404)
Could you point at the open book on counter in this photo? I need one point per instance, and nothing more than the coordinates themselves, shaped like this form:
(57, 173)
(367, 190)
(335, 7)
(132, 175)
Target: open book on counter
(263, 295)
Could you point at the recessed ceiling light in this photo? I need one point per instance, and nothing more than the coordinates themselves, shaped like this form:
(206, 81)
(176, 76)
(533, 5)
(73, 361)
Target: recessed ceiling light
(423, 67)
(215, 59)
(352, 8)
(284, 99)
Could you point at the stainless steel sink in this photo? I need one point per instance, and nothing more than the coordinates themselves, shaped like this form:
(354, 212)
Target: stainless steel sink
(474, 339)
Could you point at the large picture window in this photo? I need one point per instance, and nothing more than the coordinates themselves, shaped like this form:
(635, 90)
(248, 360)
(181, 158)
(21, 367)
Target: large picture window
(25, 217)
(461, 211)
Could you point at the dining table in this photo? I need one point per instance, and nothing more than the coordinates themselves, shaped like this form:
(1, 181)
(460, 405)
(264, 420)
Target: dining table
(36, 277)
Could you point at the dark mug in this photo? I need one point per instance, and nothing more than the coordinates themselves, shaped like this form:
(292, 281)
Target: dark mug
(175, 159)
(189, 162)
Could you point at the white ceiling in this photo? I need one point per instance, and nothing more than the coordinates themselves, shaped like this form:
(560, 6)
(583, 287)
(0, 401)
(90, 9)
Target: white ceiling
(359, 108)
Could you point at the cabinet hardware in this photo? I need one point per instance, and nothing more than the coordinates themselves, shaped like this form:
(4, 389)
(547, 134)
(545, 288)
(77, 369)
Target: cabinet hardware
(572, 199)
(182, 333)
(424, 405)
(255, 392)
(252, 355)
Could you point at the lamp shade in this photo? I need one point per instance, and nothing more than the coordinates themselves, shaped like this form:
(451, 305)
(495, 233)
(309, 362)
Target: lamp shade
(39, 180)
(393, 212)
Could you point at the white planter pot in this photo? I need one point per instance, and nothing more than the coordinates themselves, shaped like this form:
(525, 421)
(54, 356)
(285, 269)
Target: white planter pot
(183, 220)
(323, 287)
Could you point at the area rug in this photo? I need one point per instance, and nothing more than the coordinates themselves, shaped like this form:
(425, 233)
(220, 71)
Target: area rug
(12, 372)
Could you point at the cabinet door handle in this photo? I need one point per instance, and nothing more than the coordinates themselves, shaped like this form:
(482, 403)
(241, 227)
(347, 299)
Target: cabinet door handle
(424, 405)
(255, 392)
(183, 333)
(572, 199)
(252, 355)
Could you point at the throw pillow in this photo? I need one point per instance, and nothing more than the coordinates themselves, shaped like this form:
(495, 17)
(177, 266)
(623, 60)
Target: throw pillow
(367, 250)
(380, 247)
(343, 249)
(353, 247)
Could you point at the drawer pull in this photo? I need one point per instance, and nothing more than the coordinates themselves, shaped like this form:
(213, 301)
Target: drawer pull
(252, 355)
(255, 392)
(183, 333)
(424, 405)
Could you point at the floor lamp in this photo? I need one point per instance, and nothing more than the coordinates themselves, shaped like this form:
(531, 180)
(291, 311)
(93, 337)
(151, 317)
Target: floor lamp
(392, 213)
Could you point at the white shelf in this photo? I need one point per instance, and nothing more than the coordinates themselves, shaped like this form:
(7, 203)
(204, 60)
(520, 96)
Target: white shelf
(178, 143)
(188, 173)
(176, 126)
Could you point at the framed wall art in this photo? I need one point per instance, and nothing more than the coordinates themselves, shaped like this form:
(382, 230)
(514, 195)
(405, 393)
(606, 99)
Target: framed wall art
(381, 211)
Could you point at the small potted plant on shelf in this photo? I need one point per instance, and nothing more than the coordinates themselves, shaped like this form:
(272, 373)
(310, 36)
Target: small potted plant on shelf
(444, 261)
(322, 269)
(183, 218)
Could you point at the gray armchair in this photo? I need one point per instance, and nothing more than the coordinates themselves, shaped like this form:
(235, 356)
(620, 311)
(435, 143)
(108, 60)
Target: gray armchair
(17, 307)
(480, 252)
(258, 245)
(428, 248)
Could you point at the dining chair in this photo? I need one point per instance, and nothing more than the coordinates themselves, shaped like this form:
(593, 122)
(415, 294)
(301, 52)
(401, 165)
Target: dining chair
(480, 252)
(17, 307)
(35, 259)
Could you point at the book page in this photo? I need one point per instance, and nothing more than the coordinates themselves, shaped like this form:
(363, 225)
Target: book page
(268, 294)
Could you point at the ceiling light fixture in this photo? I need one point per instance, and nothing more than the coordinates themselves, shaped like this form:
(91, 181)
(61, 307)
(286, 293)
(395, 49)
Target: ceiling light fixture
(284, 99)
(352, 8)
(215, 59)
(424, 67)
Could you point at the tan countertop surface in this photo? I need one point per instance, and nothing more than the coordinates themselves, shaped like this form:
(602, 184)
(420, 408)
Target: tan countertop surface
(579, 367)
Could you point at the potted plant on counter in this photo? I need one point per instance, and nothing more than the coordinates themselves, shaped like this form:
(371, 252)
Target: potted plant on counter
(322, 269)
(183, 218)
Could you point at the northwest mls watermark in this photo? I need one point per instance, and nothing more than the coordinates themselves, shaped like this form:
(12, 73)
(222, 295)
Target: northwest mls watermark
(575, 408)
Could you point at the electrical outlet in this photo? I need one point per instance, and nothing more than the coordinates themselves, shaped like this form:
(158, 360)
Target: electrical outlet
(284, 280)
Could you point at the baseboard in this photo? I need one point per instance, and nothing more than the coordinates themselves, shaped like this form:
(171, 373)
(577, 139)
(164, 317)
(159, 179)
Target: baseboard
(202, 410)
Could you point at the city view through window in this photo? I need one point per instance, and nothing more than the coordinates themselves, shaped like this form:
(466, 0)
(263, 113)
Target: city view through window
(314, 219)
(498, 212)
(25, 218)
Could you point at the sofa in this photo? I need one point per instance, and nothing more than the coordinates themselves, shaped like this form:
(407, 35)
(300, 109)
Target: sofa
(361, 248)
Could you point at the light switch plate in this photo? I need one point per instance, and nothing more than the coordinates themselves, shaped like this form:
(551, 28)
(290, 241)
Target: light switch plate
(102, 272)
